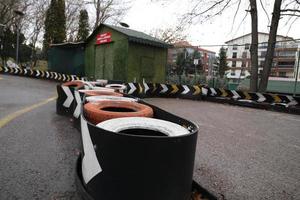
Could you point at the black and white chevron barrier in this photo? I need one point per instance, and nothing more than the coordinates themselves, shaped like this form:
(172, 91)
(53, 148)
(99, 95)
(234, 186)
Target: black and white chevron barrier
(200, 91)
(34, 73)
(164, 90)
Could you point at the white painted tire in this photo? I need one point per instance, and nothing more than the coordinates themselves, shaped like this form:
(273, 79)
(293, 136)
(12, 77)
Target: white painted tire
(97, 89)
(109, 98)
(120, 124)
(117, 87)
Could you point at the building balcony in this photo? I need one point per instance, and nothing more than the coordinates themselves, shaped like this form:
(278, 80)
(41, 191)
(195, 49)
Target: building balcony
(238, 59)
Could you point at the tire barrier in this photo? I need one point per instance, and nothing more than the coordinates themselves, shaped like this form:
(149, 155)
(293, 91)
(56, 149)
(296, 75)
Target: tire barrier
(65, 100)
(137, 166)
(101, 92)
(76, 84)
(34, 73)
(97, 112)
(143, 126)
(109, 98)
(117, 87)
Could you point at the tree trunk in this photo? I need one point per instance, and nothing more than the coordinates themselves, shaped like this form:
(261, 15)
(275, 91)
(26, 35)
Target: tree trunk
(271, 46)
(98, 8)
(253, 48)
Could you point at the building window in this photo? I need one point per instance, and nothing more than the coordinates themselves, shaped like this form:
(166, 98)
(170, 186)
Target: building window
(247, 46)
(282, 74)
(234, 54)
(263, 54)
(243, 64)
(234, 47)
(263, 45)
(286, 64)
(233, 64)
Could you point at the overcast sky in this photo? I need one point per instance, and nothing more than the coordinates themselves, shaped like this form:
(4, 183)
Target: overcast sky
(146, 15)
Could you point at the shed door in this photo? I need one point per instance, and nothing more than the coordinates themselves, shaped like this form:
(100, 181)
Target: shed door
(104, 61)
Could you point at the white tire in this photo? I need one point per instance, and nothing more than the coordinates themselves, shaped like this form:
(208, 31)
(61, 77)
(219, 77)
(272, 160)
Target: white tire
(126, 123)
(117, 87)
(98, 89)
(109, 98)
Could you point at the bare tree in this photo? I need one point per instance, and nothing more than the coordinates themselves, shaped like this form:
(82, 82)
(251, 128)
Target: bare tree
(170, 34)
(113, 10)
(254, 46)
(277, 13)
(73, 8)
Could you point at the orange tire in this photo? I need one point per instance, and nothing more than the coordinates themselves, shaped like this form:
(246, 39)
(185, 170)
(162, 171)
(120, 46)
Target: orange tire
(100, 93)
(76, 84)
(99, 112)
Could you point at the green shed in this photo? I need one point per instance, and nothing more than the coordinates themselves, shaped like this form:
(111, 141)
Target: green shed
(117, 53)
(67, 58)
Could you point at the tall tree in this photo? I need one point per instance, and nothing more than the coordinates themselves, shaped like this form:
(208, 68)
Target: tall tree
(55, 24)
(271, 46)
(254, 46)
(73, 8)
(50, 25)
(60, 22)
(222, 62)
(83, 29)
(109, 10)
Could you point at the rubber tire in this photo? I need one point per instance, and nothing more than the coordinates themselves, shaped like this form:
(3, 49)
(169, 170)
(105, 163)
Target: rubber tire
(76, 84)
(94, 113)
(109, 98)
(168, 128)
(116, 87)
(101, 92)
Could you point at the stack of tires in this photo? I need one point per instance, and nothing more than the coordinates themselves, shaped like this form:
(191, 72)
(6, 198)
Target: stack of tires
(133, 150)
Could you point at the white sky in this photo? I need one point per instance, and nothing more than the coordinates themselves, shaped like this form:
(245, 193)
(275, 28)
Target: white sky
(146, 15)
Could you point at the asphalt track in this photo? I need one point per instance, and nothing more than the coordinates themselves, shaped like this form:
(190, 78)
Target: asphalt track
(242, 153)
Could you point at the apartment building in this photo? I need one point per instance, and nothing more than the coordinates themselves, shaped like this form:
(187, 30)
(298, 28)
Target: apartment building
(206, 60)
(238, 55)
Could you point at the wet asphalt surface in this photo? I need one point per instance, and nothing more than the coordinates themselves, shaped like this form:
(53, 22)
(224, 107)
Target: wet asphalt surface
(242, 153)
(38, 149)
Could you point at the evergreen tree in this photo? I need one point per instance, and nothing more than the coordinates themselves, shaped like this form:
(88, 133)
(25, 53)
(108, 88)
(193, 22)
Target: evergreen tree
(60, 33)
(83, 29)
(49, 25)
(55, 24)
(222, 62)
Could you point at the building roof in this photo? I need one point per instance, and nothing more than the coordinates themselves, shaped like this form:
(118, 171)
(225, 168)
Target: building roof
(201, 49)
(134, 36)
(286, 37)
(68, 44)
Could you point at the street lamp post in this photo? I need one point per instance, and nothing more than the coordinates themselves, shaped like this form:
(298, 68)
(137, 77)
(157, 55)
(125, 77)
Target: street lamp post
(2, 29)
(20, 14)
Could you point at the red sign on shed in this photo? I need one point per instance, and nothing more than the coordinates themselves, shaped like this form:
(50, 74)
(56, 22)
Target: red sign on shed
(103, 38)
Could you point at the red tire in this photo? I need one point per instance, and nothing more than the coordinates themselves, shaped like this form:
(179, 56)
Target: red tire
(100, 93)
(76, 84)
(99, 112)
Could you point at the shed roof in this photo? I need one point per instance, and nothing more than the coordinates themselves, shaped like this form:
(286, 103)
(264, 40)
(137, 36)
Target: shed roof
(68, 44)
(134, 36)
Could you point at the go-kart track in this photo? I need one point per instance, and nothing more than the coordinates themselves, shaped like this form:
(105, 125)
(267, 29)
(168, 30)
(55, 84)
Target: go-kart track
(242, 153)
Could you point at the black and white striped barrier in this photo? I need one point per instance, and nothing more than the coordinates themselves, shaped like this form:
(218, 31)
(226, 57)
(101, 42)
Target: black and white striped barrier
(200, 91)
(284, 103)
(138, 166)
(39, 74)
(164, 90)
